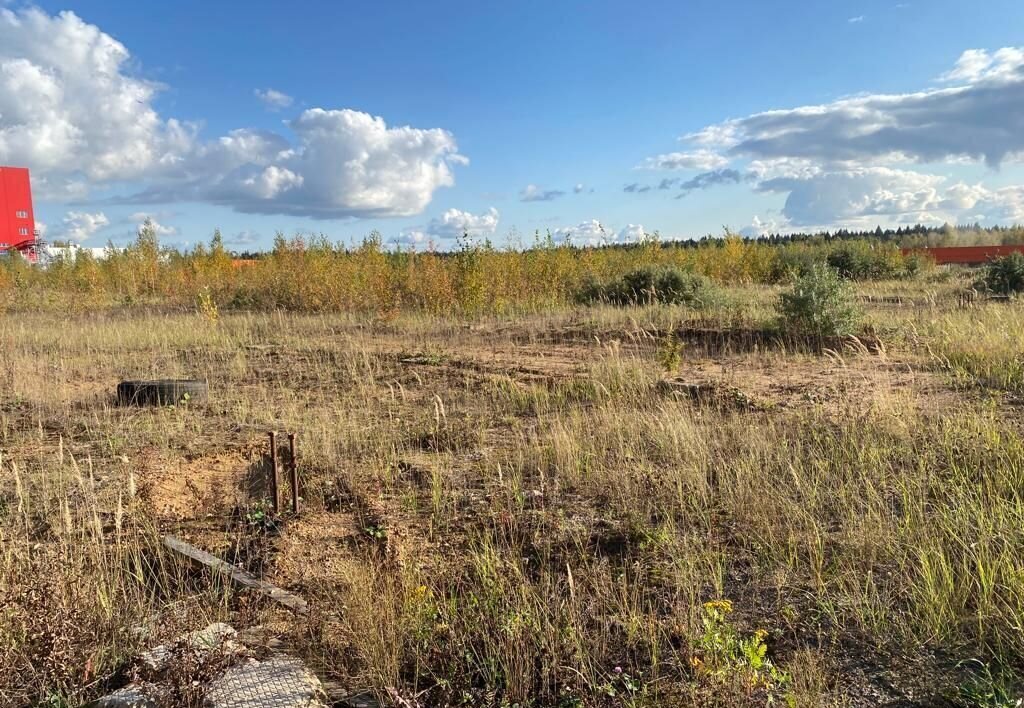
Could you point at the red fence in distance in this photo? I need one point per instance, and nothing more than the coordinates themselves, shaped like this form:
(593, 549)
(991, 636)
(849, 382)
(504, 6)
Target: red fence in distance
(965, 255)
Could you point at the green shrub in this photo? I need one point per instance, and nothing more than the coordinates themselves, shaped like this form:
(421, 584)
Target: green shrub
(650, 284)
(917, 264)
(820, 304)
(1005, 275)
(855, 260)
(861, 260)
(794, 260)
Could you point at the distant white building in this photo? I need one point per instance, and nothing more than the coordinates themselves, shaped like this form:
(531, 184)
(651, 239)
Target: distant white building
(71, 252)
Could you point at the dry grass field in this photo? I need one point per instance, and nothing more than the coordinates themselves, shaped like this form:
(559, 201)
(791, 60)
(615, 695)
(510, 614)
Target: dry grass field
(638, 506)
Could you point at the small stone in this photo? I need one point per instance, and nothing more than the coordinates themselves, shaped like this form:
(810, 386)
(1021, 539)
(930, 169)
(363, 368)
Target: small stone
(202, 642)
(157, 658)
(365, 699)
(214, 636)
(134, 695)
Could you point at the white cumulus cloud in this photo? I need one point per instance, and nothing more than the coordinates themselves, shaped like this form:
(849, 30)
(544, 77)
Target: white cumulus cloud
(453, 224)
(866, 196)
(841, 196)
(533, 193)
(273, 99)
(72, 111)
(979, 120)
(703, 159)
(979, 65)
(80, 225)
(867, 159)
(457, 223)
(160, 229)
(69, 110)
(763, 227)
(631, 233)
(593, 233)
(344, 163)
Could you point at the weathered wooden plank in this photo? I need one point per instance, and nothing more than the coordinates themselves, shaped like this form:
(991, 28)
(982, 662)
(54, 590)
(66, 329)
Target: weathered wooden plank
(242, 577)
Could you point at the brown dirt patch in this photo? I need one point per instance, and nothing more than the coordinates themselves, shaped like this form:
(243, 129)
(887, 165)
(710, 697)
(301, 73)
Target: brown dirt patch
(800, 381)
(208, 485)
(315, 550)
(524, 363)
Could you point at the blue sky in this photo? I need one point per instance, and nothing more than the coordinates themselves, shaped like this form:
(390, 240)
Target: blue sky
(123, 110)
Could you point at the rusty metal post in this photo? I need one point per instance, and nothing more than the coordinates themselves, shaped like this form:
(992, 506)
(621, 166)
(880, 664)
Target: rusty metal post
(293, 474)
(275, 494)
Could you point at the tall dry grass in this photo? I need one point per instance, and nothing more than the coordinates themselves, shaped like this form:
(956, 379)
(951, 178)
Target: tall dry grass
(522, 537)
(599, 529)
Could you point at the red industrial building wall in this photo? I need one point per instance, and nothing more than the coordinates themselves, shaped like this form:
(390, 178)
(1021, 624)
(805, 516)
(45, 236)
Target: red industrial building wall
(17, 219)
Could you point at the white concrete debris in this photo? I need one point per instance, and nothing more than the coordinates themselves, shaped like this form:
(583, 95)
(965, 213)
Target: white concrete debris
(133, 695)
(217, 637)
(278, 682)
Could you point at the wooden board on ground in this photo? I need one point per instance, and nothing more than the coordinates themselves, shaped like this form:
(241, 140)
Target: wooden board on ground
(242, 577)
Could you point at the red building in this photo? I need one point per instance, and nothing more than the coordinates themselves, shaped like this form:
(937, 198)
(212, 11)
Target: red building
(17, 220)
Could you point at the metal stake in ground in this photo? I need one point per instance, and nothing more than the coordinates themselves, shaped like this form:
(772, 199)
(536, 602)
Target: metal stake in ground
(294, 474)
(275, 494)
